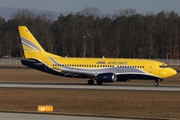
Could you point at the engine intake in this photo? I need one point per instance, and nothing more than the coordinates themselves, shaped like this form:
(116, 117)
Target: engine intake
(106, 77)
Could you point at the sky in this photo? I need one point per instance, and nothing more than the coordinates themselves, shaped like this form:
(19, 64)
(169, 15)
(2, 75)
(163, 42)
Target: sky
(105, 6)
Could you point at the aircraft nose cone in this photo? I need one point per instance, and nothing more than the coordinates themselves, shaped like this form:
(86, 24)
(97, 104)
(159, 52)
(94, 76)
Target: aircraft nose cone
(173, 72)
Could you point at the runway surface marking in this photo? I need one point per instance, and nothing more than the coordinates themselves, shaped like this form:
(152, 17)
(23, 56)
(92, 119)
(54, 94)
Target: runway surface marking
(88, 87)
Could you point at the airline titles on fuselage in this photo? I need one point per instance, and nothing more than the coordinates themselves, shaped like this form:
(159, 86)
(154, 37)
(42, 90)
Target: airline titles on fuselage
(111, 62)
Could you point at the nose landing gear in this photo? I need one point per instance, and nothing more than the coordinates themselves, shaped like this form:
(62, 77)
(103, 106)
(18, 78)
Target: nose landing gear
(156, 83)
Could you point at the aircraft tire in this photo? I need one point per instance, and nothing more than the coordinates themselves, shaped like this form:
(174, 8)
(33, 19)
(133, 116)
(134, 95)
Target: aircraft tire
(99, 82)
(90, 82)
(156, 83)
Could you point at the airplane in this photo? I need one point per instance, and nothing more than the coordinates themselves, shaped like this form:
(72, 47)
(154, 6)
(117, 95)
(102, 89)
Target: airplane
(100, 70)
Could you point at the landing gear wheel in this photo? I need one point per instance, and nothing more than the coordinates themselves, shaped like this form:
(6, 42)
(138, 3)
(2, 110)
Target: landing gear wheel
(99, 82)
(156, 83)
(90, 82)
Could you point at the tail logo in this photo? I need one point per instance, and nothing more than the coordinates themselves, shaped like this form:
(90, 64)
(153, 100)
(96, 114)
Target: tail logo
(30, 45)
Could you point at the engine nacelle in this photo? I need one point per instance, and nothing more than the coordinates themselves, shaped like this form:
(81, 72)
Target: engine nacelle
(106, 77)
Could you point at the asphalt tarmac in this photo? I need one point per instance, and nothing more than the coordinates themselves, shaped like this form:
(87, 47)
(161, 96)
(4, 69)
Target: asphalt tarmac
(26, 116)
(88, 87)
(78, 86)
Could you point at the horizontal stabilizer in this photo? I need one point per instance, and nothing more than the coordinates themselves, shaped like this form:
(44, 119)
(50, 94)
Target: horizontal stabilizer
(24, 59)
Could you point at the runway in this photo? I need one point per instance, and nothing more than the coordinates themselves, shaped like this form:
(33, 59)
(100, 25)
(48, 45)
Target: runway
(26, 116)
(79, 86)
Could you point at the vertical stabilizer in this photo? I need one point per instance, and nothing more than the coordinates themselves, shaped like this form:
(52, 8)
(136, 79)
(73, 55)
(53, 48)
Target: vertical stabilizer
(30, 45)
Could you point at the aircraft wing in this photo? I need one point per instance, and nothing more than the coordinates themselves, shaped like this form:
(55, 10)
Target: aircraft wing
(77, 72)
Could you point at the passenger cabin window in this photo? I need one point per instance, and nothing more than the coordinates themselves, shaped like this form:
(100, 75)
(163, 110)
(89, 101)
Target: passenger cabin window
(121, 66)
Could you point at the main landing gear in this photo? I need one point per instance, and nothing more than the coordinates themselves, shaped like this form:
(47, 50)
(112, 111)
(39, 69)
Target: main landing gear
(91, 82)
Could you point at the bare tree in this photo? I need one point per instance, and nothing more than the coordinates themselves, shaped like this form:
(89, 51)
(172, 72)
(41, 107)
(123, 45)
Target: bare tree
(88, 11)
(124, 12)
(44, 21)
(22, 13)
(2, 22)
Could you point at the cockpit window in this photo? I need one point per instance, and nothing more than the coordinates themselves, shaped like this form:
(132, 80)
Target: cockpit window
(163, 66)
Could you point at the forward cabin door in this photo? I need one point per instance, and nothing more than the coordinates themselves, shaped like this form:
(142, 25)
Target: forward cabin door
(160, 70)
(151, 68)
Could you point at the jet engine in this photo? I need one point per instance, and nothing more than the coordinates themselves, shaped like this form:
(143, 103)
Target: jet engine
(106, 77)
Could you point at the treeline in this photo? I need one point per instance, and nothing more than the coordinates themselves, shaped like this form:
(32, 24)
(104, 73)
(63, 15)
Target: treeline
(126, 34)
